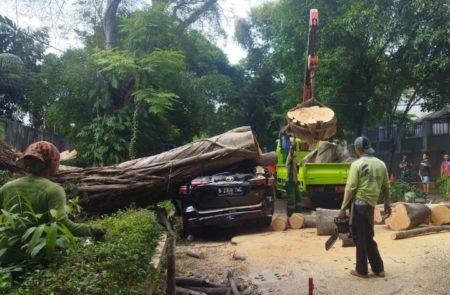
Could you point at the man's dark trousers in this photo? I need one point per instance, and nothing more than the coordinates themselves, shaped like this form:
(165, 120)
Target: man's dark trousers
(366, 247)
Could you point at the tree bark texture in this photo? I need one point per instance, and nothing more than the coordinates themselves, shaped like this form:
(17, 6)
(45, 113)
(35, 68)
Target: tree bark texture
(325, 221)
(110, 23)
(408, 215)
(207, 5)
(419, 231)
(149, 180)
(8, 158)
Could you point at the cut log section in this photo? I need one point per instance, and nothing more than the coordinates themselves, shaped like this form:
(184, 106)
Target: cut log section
(440, 214)
(280, 222)
(310, 220)
(325, 221)
(296, 221)
(312, 123)
(408, 215)
(419, 231)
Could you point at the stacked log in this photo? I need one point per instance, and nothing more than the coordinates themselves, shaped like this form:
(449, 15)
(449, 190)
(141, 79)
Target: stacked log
(440, 214)
(280, 222)
(408, 215)
(296, 221)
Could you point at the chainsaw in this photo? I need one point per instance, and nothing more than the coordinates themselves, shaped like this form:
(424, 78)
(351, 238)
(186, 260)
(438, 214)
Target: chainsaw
(342, 231)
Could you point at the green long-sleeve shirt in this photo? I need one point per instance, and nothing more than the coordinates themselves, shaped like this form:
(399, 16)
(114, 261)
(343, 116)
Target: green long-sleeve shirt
(43, 195)
(367, 179)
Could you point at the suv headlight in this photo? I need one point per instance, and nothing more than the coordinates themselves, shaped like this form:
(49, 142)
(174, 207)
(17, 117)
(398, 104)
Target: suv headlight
(189, 209)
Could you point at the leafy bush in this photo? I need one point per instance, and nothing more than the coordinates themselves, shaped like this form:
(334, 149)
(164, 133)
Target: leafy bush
(25, 240)
(443, 185)
(4, 177)
(118, 265)
(400, 188)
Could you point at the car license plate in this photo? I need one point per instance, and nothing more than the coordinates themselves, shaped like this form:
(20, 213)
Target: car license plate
(230, 191)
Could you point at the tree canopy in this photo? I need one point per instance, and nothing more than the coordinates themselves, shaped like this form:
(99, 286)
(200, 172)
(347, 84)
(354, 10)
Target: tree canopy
(147, 79)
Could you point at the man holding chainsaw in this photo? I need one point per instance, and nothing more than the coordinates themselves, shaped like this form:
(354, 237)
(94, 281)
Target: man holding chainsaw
(367, 179)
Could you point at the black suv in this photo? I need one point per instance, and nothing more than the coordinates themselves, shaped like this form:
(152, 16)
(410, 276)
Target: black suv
(227, 199)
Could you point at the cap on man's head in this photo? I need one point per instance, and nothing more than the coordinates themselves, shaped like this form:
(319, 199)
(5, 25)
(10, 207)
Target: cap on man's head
(363, 143)
(44, 151)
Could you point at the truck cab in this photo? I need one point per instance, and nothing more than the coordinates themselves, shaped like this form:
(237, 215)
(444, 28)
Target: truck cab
(321, 184)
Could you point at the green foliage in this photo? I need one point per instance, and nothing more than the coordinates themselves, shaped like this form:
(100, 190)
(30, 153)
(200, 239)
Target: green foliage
(25, 240)
(403, 192)
(4, 177)
(22, 52)
(105, 140)
(119, 265)
(443, 185)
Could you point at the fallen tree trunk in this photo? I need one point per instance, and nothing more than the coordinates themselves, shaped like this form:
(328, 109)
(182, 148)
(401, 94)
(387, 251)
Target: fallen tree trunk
(8, 158)
(408, 215)
(148, 180)
(419, 231)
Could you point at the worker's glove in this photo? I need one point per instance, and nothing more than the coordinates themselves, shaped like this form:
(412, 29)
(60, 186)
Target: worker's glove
(98, 231)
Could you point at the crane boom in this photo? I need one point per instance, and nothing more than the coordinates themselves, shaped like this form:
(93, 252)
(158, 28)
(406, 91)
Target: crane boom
(312, 60)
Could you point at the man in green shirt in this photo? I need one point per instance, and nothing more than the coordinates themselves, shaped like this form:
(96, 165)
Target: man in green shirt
(367, 180)
(41, 160)
(292, 191)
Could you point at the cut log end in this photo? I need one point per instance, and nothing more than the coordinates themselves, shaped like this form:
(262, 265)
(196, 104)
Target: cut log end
(296, 221)
(280, 222)
(407, 215)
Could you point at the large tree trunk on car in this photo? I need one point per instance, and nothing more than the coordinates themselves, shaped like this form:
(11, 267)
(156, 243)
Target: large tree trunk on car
(148, 180)
(408, 215)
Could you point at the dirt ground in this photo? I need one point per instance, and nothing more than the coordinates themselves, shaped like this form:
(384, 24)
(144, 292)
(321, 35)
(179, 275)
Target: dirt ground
(282, 262)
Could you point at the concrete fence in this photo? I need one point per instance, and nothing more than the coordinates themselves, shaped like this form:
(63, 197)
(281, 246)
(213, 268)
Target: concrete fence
(19, 136)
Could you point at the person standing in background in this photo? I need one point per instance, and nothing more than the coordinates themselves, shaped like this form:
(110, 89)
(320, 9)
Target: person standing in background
(292, 191)
(445, 172)
(285, 140)
(405, 169)
(424, 172)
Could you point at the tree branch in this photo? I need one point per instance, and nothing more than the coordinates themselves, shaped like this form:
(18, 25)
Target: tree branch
(196, 15)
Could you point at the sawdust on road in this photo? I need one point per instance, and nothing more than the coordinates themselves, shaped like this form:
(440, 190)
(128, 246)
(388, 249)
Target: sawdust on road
(282, 262)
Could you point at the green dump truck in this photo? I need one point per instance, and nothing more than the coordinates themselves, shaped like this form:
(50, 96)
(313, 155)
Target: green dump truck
(321, 184)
